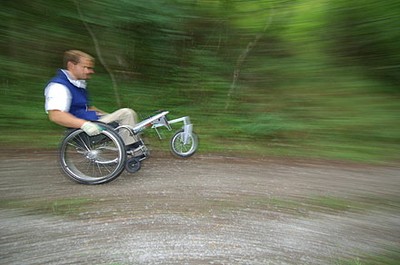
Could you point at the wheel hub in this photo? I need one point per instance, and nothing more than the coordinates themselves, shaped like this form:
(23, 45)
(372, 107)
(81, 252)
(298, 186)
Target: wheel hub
(92, 154)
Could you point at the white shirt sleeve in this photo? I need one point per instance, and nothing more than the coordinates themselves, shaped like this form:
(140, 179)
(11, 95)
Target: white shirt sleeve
(58, 97)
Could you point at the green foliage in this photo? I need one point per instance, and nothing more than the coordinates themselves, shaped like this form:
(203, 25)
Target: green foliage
(313, 78)
(61, 207)
(363, 32)
(390, 256)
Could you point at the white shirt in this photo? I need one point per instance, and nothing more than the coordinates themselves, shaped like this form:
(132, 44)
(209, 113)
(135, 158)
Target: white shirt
(58, 96)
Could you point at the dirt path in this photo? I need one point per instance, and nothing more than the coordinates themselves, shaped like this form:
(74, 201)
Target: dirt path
(205, 210)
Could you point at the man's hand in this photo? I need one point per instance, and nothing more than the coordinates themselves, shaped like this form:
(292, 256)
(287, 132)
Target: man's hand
(91, 128)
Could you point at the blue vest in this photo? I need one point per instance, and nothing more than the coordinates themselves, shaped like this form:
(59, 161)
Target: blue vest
(79, 101)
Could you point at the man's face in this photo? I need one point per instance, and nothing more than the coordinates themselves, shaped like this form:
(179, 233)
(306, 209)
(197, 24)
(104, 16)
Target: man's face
(82, 70)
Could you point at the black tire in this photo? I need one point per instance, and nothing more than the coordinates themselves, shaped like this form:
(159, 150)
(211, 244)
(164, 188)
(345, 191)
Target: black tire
(92, 159)
(182, 149)
(133, 165)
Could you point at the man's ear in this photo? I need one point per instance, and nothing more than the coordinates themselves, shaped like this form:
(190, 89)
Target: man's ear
(70, 64)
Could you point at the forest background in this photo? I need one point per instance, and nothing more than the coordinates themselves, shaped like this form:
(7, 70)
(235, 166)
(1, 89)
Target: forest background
(293, 78)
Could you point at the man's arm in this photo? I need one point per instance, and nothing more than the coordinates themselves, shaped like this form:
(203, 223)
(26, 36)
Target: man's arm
(98, 111)
(65, 119)
(68, 120)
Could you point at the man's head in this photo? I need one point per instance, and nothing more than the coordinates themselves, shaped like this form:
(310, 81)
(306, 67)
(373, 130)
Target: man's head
(79, 64)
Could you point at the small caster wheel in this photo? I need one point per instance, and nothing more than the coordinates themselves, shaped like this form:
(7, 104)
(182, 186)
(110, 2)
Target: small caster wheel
(132, 165)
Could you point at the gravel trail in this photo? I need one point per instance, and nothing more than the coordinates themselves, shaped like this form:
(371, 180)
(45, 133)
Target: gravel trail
(204, 210)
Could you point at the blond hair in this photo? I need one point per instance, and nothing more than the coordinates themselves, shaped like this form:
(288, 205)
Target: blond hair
(75, 56)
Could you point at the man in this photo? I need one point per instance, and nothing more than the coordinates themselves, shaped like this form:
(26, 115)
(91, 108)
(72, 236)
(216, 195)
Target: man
(67, 102)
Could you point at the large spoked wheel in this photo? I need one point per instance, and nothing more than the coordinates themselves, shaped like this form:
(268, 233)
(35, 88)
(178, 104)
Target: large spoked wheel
(182, 147)
(92, 159)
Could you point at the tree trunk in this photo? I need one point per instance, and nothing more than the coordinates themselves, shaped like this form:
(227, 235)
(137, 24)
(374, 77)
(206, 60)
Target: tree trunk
(242, 57)
(100, 56)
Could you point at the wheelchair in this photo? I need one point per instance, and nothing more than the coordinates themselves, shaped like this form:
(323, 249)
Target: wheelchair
(102, 158)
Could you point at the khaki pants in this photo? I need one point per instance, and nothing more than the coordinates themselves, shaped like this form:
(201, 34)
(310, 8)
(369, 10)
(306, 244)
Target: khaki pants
(123, 116)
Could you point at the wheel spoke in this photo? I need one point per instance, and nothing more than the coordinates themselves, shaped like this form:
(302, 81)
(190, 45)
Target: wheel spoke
(182, 149)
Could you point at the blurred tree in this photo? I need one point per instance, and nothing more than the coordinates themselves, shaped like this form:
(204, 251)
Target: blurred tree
(365, 32)
(35, 35)
(99, 54)
(242, 57)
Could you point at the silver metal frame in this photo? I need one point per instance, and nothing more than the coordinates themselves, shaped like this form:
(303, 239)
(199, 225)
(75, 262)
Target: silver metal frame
(160, 120)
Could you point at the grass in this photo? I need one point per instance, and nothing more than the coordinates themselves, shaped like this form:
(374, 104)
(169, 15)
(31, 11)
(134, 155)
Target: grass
(295, 207)
(341, 115)
(303, 206)
(388, 257)
(70, 207)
